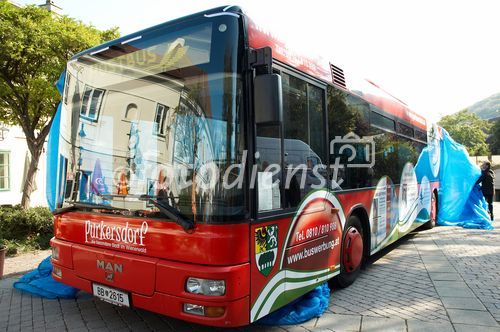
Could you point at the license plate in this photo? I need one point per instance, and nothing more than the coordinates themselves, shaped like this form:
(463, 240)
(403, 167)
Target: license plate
(111, 295)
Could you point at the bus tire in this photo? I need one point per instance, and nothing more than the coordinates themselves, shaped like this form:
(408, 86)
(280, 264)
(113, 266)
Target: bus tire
(433, 215)
(351, 254)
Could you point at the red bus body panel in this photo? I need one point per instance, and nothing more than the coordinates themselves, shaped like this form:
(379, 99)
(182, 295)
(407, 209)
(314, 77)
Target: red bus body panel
(155, 273)
(207, 245)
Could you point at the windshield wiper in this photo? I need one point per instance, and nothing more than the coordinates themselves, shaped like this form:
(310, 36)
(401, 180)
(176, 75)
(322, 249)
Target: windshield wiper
(169, 211)
(76, 206)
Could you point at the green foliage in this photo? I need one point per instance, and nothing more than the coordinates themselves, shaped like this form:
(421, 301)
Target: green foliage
(469, 130)
(34, 49)
(25, 229)
(495, 138)
(488, 108)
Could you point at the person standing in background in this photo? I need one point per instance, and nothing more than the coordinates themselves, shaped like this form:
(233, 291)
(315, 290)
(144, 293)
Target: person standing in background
(487, 180)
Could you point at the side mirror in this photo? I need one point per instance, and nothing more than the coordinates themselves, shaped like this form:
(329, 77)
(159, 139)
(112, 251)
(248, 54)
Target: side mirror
(268, 98)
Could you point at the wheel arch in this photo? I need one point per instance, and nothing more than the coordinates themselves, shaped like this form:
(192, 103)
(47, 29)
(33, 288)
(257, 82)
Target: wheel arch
(360, 212)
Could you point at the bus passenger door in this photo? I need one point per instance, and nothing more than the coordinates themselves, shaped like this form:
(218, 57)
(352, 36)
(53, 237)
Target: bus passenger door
(313, 239)
(296, 242)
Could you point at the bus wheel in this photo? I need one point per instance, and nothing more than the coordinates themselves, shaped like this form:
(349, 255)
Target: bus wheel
(434, 209)
(352, 253)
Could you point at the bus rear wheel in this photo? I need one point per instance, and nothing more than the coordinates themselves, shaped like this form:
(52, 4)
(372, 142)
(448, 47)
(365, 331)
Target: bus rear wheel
(352, 253)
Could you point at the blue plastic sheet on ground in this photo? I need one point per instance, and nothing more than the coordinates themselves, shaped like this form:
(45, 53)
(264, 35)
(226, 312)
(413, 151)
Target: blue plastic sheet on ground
(460, 200)
(306, 307)
(40, 282)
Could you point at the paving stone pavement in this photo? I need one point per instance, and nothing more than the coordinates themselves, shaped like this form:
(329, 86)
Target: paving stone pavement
(445, 279)
(24, 262)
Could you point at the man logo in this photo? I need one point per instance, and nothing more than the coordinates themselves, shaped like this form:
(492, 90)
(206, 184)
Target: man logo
(110, 269)
(110, 275)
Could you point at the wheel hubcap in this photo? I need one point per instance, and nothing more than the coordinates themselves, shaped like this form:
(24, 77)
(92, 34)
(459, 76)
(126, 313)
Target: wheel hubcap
(353, 249)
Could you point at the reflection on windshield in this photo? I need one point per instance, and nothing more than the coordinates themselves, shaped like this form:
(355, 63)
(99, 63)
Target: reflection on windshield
(148, 119)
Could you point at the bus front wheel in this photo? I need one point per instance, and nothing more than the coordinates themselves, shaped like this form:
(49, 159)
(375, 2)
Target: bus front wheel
(352, 253)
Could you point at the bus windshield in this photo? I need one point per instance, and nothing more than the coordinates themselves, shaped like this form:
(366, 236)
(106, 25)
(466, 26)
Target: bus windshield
(156, 119)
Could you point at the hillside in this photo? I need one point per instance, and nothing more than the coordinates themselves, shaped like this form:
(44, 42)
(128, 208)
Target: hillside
(487, 108)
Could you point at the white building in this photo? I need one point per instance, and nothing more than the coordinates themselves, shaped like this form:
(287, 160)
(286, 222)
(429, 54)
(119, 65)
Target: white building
(14, 162)
(52, 7)
(49, 5)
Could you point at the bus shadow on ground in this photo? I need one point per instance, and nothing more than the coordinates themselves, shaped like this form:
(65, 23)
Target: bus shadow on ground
(401, 242)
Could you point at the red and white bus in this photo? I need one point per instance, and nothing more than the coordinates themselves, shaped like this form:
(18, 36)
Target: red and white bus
(209, 173)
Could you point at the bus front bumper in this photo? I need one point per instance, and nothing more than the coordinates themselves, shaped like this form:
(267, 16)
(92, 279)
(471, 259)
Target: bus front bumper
(157, 285)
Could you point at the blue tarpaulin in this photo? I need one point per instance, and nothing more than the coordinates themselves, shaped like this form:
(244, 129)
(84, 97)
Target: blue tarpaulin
(51, 190)
(306, 307)
(40, 282)
(460, 200)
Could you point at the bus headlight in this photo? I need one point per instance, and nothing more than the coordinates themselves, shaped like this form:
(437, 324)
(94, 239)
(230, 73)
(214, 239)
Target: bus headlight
(206, 286)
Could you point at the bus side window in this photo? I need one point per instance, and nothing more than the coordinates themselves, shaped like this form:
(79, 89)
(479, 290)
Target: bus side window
(386, 156)
(348, 114)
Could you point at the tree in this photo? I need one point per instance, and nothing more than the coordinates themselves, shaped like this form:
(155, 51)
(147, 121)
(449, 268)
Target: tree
(495, 138)
(469, 130)
(34, 49)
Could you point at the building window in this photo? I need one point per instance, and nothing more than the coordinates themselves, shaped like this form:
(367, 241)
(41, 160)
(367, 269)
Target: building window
(91, 103)
(4, 171)
(131, 112)
(66, 87)
(160, 119)
(85, 190)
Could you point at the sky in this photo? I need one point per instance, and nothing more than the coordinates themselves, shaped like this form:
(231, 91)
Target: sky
(438, 56)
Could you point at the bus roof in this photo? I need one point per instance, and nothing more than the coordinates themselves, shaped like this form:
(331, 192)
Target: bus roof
(321, 69)
(228, 10)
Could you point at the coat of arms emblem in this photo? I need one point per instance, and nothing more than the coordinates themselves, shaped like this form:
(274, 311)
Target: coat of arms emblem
(266, 248)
